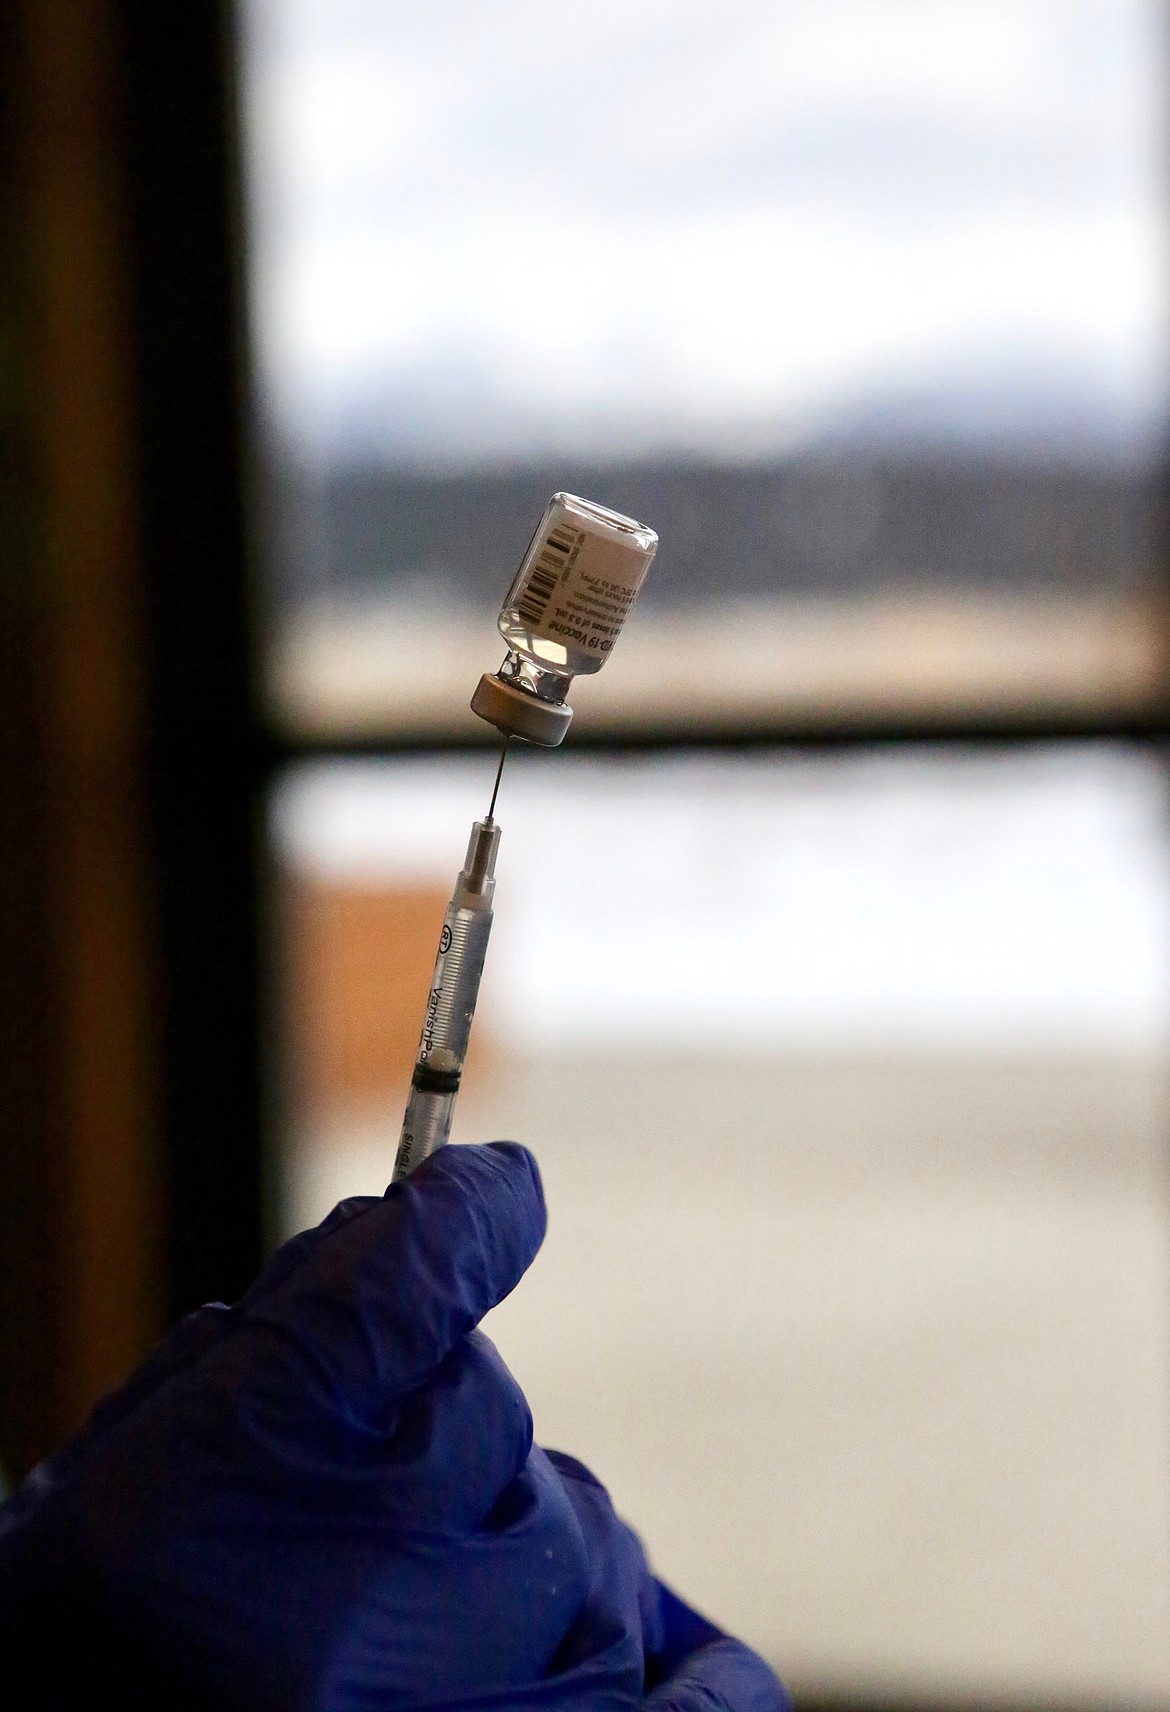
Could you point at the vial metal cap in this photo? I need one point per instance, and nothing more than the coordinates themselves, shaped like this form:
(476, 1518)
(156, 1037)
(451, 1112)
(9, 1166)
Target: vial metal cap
(519, 713)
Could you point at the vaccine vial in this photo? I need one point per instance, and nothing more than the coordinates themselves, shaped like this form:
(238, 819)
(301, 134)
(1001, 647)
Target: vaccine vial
(563, 614)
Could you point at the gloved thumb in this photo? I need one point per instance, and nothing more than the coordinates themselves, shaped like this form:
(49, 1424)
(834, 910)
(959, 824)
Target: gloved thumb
(381, 1299)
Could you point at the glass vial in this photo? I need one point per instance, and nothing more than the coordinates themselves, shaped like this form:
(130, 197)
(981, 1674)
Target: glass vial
(563, 614)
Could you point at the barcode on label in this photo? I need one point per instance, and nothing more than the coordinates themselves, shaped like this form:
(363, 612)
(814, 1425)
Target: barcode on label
(545, 574)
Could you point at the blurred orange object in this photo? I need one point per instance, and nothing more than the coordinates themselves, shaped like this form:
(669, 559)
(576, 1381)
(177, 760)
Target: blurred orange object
(359, 962)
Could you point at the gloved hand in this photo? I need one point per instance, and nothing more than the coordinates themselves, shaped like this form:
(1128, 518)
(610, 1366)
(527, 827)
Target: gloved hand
(327, 1497)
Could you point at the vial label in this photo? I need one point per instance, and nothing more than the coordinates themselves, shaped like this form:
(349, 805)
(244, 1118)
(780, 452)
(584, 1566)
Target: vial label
(579, 589)
(546, 570)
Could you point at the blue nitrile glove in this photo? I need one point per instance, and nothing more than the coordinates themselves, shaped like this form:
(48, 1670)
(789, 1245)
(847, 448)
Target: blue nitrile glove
(327, 1497)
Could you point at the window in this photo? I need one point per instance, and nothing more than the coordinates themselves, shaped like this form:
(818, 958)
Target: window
(844, 1060)
(861, 304)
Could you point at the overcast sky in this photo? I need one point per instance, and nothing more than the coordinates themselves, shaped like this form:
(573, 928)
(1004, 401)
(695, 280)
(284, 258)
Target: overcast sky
(486, 230)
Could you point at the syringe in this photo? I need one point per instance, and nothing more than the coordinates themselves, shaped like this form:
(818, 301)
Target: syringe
(451, 1004)
(560, 619)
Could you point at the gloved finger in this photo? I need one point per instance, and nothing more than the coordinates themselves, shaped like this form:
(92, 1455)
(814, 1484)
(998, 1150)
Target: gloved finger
(723, 1676)
(191, 1338)
(206, 1327)
(199, 1330)
(183, 1345)
(380, 1301)
(459, 1442)
(434, 1466)
(297, 1249)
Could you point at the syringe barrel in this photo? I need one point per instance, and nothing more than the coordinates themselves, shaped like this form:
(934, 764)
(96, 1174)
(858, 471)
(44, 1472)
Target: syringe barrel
(425, 1128)
(450, 1009)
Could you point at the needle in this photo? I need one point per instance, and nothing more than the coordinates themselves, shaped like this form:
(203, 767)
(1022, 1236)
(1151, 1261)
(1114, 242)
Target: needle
(499, 776)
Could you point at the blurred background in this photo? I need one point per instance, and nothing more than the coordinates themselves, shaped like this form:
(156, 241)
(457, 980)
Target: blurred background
(831, 979)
